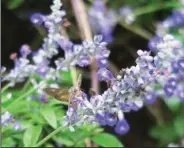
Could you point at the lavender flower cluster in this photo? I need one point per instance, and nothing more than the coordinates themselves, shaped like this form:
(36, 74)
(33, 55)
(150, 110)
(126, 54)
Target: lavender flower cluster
(174, 20)
(74, 54)
(134, 86)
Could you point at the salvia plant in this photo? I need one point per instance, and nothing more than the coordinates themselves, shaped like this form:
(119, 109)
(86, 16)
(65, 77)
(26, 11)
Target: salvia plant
(158, 73)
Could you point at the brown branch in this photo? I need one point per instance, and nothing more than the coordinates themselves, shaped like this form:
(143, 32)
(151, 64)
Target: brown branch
(81, 17)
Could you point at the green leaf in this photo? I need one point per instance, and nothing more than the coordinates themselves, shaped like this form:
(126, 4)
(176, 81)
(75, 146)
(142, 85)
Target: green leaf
(64, 140)
(173, 103)
(49, 115)
(49, 145)
(179, 125)
(66, 77)
(164, 132)
(31, 135)
(8, 142)
(13, 4)
(107, 140)
(80, 143)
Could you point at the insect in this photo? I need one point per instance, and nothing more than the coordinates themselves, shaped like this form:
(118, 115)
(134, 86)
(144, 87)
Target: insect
(65, 95)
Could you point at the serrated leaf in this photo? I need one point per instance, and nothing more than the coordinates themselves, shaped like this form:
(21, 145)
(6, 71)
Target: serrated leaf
(106, 140)
(49, 115)
(31, 135)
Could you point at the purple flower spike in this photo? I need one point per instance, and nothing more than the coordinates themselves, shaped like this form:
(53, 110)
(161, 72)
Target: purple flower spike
(181, 64)
(122, 127)
(37, 18)
(110, 119)
(169, 90)
(104, 74)
(150, 97)
(101, 119)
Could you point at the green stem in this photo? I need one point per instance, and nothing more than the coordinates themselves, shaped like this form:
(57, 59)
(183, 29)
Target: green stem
(5, 88)
(49, 136)
(137, 30)
(156, 113)
(26, 84)
(149, 9)
(21, 97)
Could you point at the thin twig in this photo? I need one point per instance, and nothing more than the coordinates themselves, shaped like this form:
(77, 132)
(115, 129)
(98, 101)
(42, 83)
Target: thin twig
(81, 17)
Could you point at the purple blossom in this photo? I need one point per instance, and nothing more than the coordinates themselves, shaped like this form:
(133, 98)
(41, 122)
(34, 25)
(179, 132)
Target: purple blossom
(180, 91)
(101, 118)
(98, 14)
(104, 74)
(6, 118)
(64, 43)
(102, 62)
(110, 119)
(122, 127)
(150, 97)
(99, 5)
(172, 81)
(22, 69)
(44, 99)
(180, 94)
(17, 126)
(176, 19)
(25, 50)
(180, 64)
(37, 18)
(105, 53)
(126, 13)
(84, 61)
(152, 44)
(169, 90)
